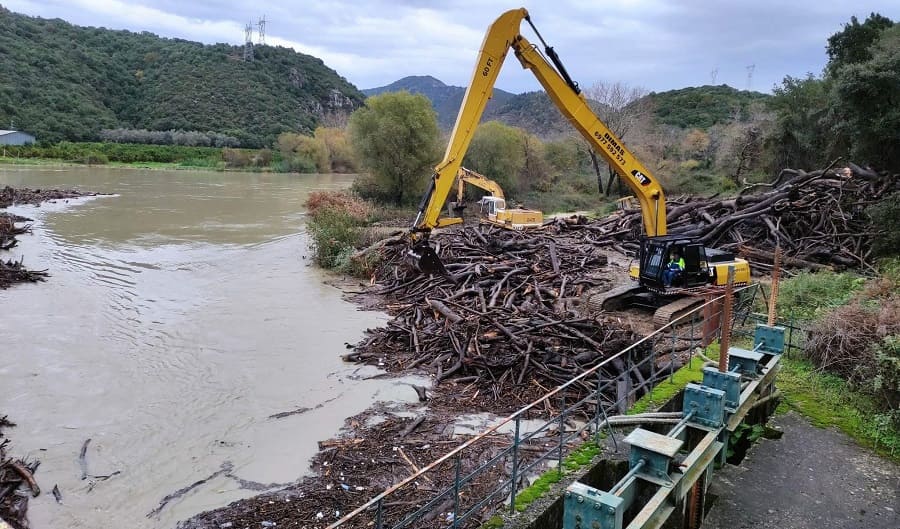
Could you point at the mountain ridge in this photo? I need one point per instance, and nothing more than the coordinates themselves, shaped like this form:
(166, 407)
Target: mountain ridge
(689, 107)
(72, 81)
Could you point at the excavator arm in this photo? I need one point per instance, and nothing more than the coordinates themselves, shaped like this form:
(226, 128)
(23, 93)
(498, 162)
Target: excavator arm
(493, 51)
(503, 35)
(467, 176)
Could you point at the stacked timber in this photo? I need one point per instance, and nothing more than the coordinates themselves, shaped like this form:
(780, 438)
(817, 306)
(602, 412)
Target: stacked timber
(506, 319)
(818, 218)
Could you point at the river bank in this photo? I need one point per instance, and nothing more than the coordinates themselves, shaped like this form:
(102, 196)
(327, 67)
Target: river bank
(171, 166)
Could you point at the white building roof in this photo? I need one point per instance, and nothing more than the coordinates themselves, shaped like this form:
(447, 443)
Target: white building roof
(5, 132)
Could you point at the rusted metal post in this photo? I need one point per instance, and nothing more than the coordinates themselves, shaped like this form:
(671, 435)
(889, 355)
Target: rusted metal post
(773, 296)
(710, 320)
(727, 305)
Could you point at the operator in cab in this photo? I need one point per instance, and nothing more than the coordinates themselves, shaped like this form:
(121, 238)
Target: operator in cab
(673, 268)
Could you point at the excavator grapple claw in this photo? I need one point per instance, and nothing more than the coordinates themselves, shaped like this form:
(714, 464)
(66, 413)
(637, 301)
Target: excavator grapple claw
(423, 258)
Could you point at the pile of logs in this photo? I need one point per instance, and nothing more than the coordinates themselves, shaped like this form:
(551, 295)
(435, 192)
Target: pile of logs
(17, 484)
(10, 195)
(9, 228)
(12, 225)
(818, 218)
(14, 272)
(503, 321)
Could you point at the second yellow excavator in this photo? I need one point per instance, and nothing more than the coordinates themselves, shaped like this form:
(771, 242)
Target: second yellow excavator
(492, 208)
(661, 281)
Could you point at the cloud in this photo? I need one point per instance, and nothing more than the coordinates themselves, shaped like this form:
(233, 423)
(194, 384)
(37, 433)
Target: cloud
(657, 44)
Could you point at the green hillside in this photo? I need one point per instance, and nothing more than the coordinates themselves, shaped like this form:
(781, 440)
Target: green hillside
(695, 107)
(65, 82)
(531, 111)
(701, 107)
(444, 98)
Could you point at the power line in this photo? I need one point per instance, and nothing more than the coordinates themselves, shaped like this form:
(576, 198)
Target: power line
(261, 24)
(248, 42)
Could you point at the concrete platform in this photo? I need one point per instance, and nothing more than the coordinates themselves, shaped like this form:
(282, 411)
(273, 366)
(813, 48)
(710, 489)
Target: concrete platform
(811, 478)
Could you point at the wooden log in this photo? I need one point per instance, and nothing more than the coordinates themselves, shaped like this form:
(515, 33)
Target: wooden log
(451, 316)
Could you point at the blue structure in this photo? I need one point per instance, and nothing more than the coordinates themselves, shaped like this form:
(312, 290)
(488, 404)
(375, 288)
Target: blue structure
(15, 137)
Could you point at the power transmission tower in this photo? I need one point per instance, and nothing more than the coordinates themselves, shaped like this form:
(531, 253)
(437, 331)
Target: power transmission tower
(248, 42)
(750, 75)
(713, 74)
(261, 24)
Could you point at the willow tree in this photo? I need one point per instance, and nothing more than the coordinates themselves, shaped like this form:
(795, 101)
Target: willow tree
(396, 138)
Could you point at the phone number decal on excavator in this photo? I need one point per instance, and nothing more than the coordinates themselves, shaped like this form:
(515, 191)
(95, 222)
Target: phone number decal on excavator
(612, 146)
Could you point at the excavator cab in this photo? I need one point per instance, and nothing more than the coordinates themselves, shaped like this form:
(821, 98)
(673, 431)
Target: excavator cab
(655, 255)
(491, 205)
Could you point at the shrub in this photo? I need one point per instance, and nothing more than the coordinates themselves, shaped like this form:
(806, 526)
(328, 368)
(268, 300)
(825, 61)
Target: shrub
(95, 158)
(861, 343)
(335, 227)
(235, 157)
(886, 214)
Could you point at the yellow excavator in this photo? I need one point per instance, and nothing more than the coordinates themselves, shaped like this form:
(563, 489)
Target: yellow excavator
(702, 268)
(492, 208)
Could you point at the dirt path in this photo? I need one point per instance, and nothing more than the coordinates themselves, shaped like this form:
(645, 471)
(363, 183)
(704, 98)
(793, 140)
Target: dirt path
(811, 478)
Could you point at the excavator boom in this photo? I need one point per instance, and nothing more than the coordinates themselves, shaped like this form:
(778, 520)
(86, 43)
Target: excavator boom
(503, 35)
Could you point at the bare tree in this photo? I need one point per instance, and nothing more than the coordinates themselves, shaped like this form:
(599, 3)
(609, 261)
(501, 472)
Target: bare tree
(620, 107)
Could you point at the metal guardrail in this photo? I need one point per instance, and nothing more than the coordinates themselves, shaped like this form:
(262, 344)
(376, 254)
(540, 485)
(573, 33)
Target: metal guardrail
(481, 488)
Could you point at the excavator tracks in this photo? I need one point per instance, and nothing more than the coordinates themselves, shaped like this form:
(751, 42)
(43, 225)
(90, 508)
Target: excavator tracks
(612, 299)
(674, 310)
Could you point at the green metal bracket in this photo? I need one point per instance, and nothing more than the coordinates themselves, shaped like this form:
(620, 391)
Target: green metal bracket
(708, 405)
(730, 383)
(585, 507)
(656, 451)
(743, 361)
(769, 339)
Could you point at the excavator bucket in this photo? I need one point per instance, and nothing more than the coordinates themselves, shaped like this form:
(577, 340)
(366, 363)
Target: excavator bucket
(423, 258)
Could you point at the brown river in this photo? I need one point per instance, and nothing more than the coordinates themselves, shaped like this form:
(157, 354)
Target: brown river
(180, 314)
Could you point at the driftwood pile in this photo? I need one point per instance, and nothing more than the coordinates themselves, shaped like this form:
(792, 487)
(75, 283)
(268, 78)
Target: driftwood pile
(818, 218)
(10, 195)
(17, 484)
(371, 456)
(504, 320)
(12, 225)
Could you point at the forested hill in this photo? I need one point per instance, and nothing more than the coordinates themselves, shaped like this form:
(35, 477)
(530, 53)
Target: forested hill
(444, 98)
(531, 111)
(700, 107)
(688, 108)
(65, 82)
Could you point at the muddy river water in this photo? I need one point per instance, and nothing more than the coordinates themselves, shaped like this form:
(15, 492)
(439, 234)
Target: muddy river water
(181, 313)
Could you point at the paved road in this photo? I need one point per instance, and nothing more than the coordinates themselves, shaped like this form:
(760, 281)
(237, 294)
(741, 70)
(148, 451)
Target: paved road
(811, 478)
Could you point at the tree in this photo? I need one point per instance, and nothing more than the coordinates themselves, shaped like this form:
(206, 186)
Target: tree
(696, 145)
(801, 133)
(496, 152)
(853, 44)
(867, 103)
(340, 155)
(303, 154)
(396, 137)
(620, 107)
(853, 110)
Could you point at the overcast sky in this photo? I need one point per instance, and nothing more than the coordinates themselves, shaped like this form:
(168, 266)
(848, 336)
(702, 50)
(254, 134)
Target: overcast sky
(656, 44)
